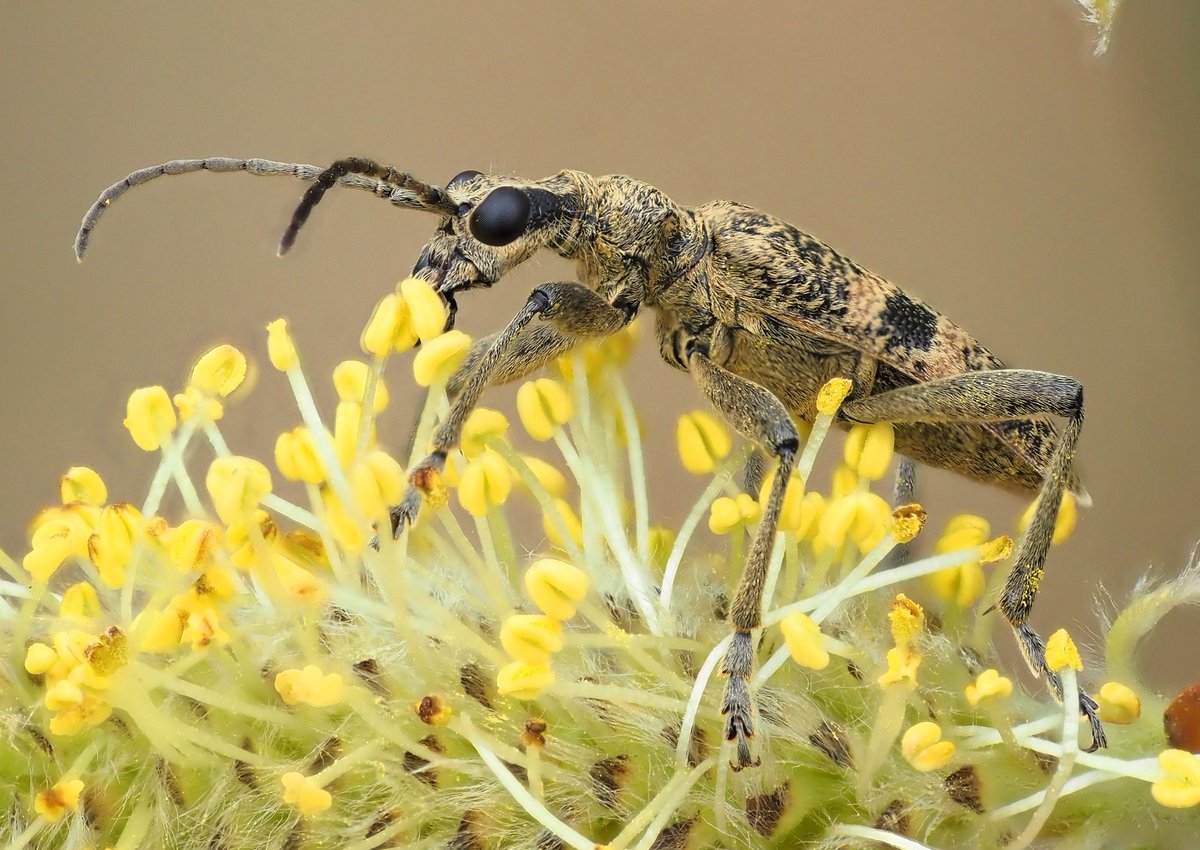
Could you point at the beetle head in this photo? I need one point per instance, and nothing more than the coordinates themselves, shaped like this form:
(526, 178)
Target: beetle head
(498, 223)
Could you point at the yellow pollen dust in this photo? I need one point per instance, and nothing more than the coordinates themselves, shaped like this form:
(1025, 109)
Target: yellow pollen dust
(831, 396)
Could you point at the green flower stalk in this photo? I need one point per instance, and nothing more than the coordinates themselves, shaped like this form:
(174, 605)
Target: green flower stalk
(261, 672)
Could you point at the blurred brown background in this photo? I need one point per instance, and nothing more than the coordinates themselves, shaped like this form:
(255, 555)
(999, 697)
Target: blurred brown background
(978, 154)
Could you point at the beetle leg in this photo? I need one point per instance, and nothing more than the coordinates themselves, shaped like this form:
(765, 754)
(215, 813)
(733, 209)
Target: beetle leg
(998, 396)
(572, 313)
(757, 414)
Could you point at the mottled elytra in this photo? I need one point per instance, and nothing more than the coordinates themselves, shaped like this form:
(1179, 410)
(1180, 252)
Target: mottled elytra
(759, 313)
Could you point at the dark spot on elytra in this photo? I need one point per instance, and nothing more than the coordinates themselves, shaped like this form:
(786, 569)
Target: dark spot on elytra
(908, 324)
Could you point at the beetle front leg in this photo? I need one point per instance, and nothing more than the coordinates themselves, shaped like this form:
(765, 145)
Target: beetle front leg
(998, 396)
(572, 312)
(758, 415)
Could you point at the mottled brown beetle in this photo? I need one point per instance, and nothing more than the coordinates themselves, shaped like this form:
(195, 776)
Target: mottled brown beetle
(759, 313)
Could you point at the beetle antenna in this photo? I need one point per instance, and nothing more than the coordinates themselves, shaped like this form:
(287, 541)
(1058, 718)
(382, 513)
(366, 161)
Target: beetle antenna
(399, 186)
(416, 195)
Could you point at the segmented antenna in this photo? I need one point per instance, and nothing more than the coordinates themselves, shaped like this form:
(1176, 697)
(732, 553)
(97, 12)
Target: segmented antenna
(426, 196)
(415, 196)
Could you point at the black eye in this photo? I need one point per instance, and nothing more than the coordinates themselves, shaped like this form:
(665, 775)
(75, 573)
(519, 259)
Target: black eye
(462, 177)
(501, 218)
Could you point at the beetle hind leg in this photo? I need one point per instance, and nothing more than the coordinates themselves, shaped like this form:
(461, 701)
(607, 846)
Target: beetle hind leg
(999, 396)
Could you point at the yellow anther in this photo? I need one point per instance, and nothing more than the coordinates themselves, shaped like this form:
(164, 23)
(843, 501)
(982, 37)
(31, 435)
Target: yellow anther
(298, 582)
(91, 712)
(569, 518)
(1179, 787)
(219, 371)
(902, 666)
(108, 653)
(831, 396)
(346, 423)
(300, 791)
(111, 547)
(240, 537)
(389, 328)
(963, 583)
(556, 587)
(907, 522)
(804, 640)
(524, 681)
(531, 638)
(149, 417)
(482, 424)
(204, 629)
(863, 518)
(554, 482)
(1064, 523)
(80, 602)
(347, 531)
(296, 456)
(869, 449)
(194, 403)
(53, 542)
(192, 544)
(39, 658)
(1118, 704)
(427, 310)
(1062, 653)
(923, 747)
(486, 481)
(310, 686)
(378, 481)
(703, 441)
(544, 406)
(281, 348)
(63, 694)
(350, 378)
(844, 482)
(434, 710)
(82, 484)
(791, 516)
(160, 632)
(802, 516)
(439, 357)
(998, 549)
(63, 797)
(727, 514)
(236, 485)
(907, 620)
(987, 685)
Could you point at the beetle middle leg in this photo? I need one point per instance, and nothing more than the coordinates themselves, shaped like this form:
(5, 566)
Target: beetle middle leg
(998, 396)
(572, 312)
(756, 413)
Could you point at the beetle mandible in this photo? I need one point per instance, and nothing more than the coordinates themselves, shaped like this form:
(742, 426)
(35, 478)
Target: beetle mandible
(759, 313)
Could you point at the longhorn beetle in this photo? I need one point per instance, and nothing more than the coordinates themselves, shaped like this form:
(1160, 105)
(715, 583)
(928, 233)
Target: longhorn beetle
(759, 313)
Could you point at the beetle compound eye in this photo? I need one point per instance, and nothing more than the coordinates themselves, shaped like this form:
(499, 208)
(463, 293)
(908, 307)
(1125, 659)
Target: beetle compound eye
(462, 177)
(502, 217)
